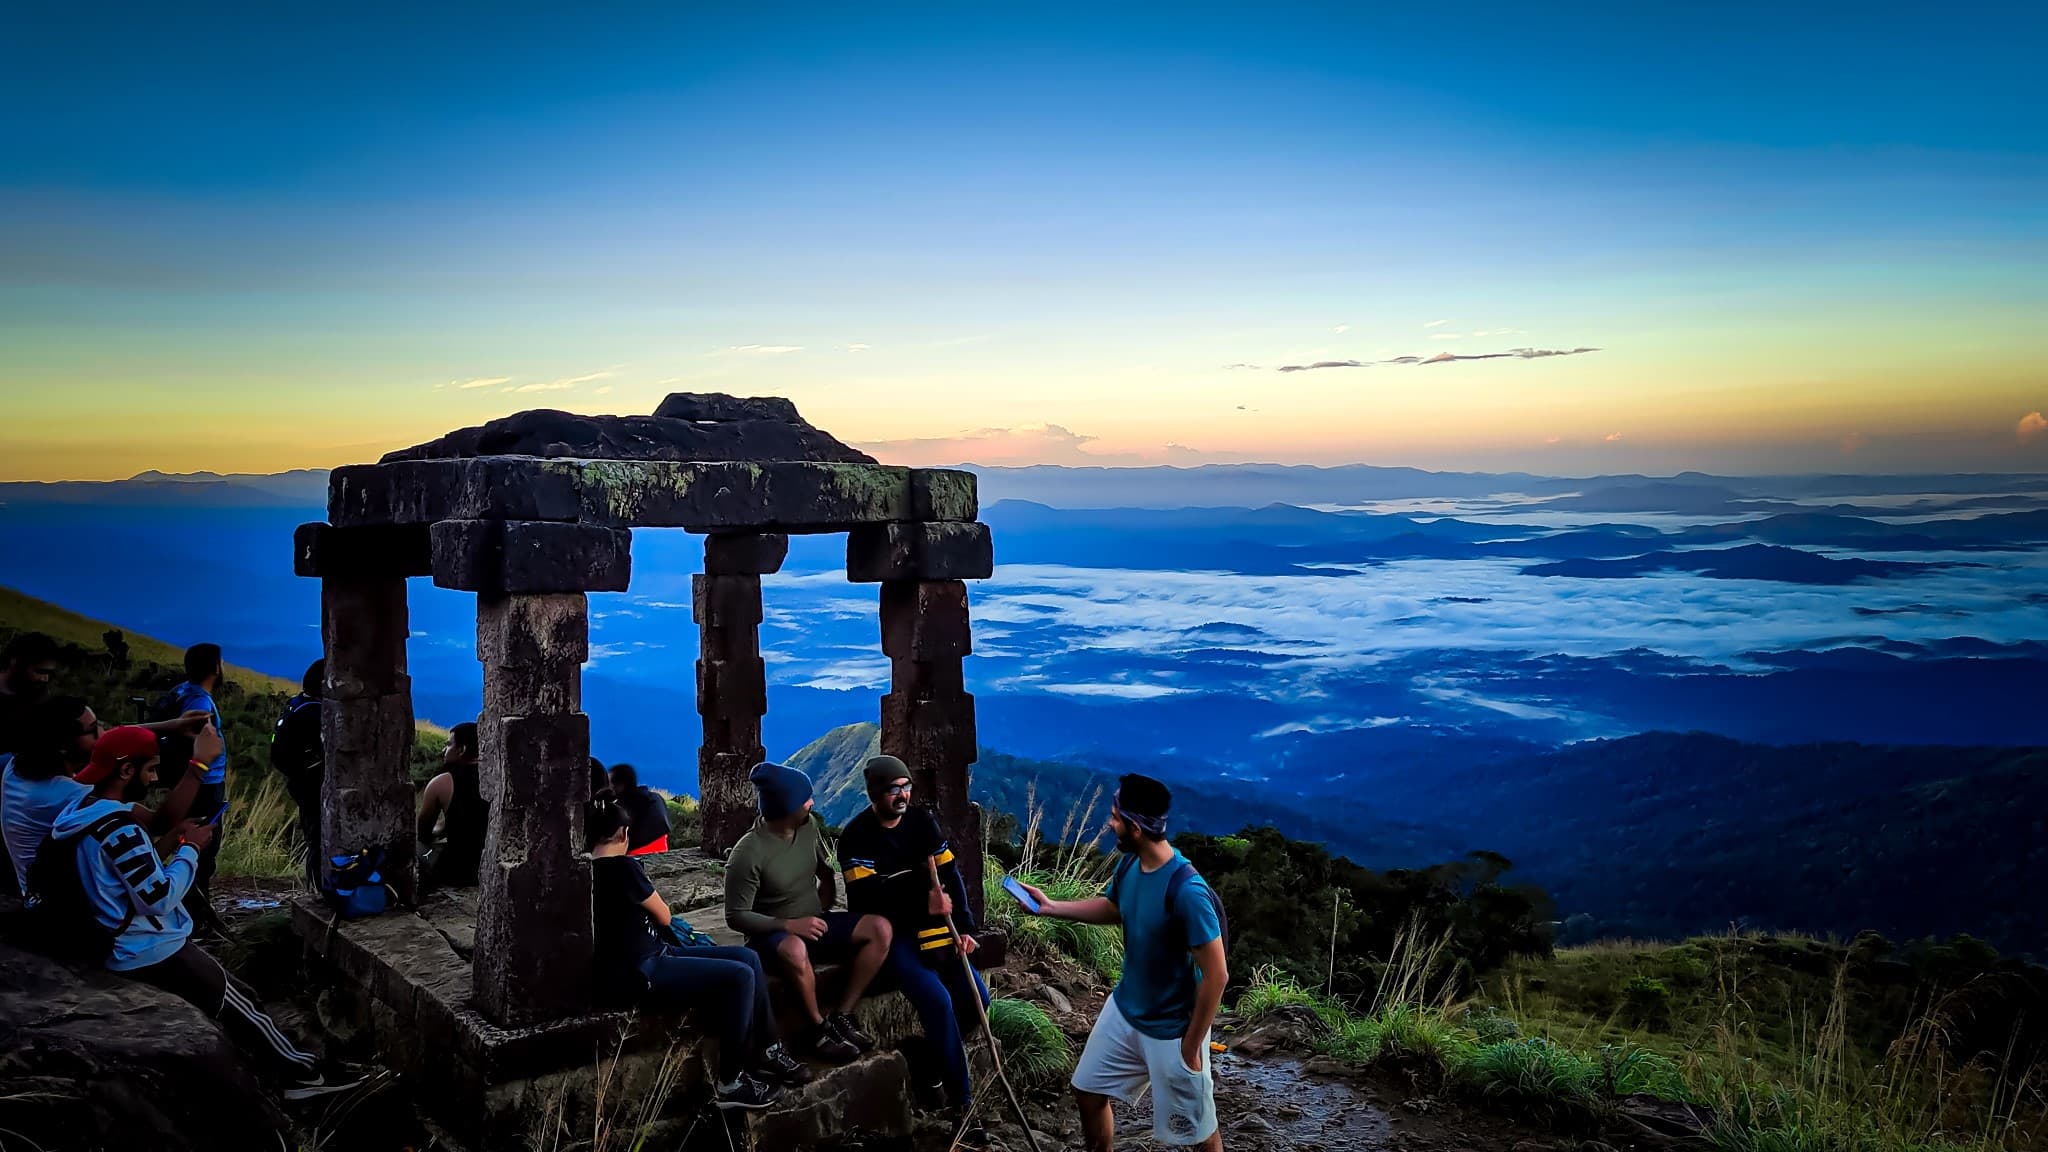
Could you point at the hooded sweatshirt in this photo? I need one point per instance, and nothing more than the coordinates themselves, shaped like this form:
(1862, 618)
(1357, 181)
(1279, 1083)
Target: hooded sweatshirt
(121, 873)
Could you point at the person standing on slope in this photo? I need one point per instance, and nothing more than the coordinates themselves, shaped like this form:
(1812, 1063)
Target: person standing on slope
(1154, 1028)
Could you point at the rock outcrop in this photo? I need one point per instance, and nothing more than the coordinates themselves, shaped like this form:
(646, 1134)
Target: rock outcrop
(89, 1060)
(687, 426)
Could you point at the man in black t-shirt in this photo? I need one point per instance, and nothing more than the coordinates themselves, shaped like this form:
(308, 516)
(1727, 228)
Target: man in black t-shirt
(889, 852)
(646, 811)
(640, 960)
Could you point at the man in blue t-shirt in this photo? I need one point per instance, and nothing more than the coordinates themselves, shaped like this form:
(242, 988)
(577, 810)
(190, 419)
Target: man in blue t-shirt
(203, 673)
(1154, 1029)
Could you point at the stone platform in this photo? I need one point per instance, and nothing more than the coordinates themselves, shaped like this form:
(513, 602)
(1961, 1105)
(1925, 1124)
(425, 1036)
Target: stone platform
(403, 980)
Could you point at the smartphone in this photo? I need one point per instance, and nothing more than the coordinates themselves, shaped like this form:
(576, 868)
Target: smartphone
(1017, 891)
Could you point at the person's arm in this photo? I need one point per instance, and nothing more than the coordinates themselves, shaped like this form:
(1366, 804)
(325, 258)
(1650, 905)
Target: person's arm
(436, 796)
(657, 908)
(189, 724)
(1194, 1046)
(178, 805)
(864, 885)
(951, 881)
(742, 884)
(154, 887)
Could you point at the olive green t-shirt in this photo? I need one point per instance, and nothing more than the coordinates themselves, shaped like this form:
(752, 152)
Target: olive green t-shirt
(769, 879)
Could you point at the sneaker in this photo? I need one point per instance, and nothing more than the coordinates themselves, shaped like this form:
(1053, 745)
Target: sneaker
(972, 1135)
(827, 1045)
(748, 1094)
(843, 1027)
(779, 1067)
(315, 1085)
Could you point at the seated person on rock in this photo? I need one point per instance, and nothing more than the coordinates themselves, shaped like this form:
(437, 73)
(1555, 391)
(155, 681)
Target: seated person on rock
(36, 782)
(648, 812)
(640, 961)
(454, 800)
(136, 898)
(779, 890)
(890, 852)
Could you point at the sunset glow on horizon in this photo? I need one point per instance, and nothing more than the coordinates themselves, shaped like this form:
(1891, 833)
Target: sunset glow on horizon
(1739, 239)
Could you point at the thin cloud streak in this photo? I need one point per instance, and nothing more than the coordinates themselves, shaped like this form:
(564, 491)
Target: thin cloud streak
(1439, 358)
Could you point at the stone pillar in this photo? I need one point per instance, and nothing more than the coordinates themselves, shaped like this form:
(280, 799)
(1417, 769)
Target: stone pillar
(533, 927)
(366, 725)
(732, 682)
(366, 722)
(928, 716)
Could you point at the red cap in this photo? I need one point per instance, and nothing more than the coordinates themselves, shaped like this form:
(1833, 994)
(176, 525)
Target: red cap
(121, 744)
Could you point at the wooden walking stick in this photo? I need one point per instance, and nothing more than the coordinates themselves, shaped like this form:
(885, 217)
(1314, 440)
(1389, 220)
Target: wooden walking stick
(988, 1033)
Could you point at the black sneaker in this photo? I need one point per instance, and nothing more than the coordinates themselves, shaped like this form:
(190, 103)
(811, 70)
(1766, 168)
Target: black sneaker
(827, 1045)
(748, 1094)
(779, 1067)
(972, 1136)
(315, 1085)
(843, 1027)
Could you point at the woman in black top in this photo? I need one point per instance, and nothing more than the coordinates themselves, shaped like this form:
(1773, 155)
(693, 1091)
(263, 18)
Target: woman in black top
(638, 961)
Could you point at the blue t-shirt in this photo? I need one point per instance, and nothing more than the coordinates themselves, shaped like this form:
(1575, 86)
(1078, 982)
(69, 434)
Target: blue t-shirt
(1157, 992)
(193, 698)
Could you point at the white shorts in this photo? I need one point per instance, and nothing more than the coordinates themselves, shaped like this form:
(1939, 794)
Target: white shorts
(1120, 1061)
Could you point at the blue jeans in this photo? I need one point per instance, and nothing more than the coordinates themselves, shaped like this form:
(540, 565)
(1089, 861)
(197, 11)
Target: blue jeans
(725, 988)
(940, 996)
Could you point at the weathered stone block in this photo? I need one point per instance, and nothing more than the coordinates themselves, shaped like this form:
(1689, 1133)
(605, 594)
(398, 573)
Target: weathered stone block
(944, 551)
(533, 930)
(925, 620)
(744, 553)
(364, 623)
(720, 408)
(383, 550)
(534, 630)
(939, 731)
(530, 556)
(943, 494)
(414, 492)
(367, 798)
(732, 688)
(730, 604)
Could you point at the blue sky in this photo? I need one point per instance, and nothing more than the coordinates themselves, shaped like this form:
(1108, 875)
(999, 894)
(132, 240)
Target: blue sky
(288, 235)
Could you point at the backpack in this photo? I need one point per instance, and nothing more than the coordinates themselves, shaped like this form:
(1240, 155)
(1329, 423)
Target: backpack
(174, 747)
(355, 884)
(58, 914)
(295, 750)
(1174, 884)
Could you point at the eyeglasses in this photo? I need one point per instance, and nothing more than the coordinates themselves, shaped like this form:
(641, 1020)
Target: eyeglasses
(897, 790)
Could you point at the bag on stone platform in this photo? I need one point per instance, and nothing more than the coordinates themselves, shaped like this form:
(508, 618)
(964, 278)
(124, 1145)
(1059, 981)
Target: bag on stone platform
(681, 935)
(355, 884)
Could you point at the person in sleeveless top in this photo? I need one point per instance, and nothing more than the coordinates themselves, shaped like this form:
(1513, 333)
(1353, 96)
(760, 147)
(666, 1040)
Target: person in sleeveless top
(454, 801)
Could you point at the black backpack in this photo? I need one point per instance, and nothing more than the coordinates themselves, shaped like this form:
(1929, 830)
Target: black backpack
(59, 915)
(1174, 884)
(174, 747)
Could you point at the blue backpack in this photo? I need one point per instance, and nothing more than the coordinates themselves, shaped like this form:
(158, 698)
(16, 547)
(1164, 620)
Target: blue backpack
(355, 884)
(1174, 885)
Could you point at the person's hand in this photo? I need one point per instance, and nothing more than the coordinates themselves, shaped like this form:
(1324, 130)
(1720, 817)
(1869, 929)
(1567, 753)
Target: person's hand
(1194, 1049)
(938, 903)
(968, 946)
(191, 723)
(1039, 898)
(809, 927)
(208, 744)
(197, 833)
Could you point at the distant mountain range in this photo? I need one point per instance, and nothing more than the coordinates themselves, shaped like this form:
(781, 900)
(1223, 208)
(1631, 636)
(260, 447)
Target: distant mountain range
(1656, 835)
(1254, 486)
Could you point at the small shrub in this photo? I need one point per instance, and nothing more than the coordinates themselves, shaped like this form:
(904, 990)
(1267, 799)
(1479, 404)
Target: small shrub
(1098, 947)
(1270, 992)
(1646, 1001)
(1035, 1052)
(1536, 1077)
(1490, 1025)
(685, 822)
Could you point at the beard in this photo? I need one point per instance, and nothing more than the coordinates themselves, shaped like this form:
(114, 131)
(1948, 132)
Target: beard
(135, 791)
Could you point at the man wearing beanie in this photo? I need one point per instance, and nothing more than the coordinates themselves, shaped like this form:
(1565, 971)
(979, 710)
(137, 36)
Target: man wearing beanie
(779, 891)
(889, 851)
(1154, 1029)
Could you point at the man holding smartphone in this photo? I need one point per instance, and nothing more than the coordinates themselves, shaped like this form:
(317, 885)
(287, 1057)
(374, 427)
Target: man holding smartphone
(1154, 1028)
